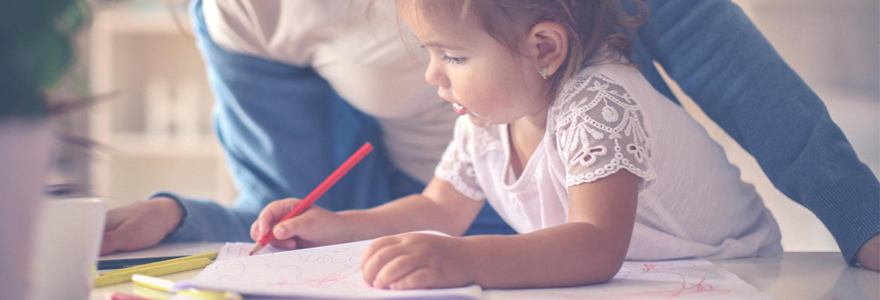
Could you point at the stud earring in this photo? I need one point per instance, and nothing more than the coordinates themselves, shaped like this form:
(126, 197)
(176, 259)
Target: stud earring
(543, 72)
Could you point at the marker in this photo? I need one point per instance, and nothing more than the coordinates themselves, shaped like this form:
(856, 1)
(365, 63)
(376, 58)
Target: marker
(121, 296)
(166, 285)
(210, 295)
(131, 262)
(209, 255)
(323, 187)
(152, 282)
(169, 268)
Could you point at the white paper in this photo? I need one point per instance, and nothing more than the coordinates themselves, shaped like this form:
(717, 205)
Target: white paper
(330, 272)
(674, 279)
(333, 272)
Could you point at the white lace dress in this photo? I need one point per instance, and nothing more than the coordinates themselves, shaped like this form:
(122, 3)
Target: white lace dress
(608, 118)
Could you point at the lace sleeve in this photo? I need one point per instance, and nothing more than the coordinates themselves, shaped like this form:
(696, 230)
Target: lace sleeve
(456, 164)
(599, 130)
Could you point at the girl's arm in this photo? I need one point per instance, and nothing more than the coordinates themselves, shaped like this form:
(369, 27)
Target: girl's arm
(590, 248)
(440, 207)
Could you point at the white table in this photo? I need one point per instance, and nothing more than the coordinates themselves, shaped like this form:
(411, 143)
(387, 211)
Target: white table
(794, 275)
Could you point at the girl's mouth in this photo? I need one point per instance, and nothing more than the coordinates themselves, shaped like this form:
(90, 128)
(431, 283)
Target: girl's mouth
(459, 109)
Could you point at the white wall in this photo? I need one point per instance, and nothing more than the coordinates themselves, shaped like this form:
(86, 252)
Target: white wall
(834, 46)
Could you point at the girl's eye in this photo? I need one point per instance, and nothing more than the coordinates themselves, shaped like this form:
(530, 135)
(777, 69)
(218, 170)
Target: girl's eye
(453, 60)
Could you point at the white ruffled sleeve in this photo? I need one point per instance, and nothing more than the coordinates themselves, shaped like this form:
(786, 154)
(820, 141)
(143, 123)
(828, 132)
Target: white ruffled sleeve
(456, 164)
(599, 129)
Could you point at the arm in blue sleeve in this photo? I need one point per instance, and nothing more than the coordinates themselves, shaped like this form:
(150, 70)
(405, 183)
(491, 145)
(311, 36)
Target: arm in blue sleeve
(283, 130)
(721, 60)
(200, 221)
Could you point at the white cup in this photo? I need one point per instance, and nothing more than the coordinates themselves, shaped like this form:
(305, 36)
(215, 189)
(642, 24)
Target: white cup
(67, 244)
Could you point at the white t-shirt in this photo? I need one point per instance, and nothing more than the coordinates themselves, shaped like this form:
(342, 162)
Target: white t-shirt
(691, 201)
(368, 59)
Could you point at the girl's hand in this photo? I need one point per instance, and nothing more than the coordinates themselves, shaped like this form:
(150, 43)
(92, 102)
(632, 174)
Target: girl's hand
(314, 227)
(414, 261)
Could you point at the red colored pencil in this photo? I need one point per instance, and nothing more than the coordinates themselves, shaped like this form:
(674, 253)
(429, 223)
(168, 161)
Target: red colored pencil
(323, 187)
(121, 296)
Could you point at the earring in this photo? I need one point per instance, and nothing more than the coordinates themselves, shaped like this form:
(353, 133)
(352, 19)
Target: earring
(543, 72)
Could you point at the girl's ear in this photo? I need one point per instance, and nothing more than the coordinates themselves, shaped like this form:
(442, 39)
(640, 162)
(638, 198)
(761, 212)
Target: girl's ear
(547, 44)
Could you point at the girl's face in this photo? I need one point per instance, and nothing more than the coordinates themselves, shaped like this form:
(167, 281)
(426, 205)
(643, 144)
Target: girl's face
(479, 75)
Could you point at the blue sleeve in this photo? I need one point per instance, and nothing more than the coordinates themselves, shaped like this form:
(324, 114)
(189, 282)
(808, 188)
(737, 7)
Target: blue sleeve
(200, 221)
(283, 130)
(721, 60)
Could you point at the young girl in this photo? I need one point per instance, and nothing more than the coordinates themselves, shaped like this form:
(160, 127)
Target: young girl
(566, 140)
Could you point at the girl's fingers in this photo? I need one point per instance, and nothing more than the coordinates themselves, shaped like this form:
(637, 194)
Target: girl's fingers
(395, 269)
(375, 246)
(255, 233)
(380, 258)
(271, 214)
(421, 278)
(284, 244)
(283, 230)
(304, 224)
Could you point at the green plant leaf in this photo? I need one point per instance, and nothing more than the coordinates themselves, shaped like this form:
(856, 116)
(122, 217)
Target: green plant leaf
(35, 51)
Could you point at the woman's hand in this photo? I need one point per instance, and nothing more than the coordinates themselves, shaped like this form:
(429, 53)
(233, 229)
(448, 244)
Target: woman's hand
(140, 225)
(869, 255)
(415, 261)
(314, 227)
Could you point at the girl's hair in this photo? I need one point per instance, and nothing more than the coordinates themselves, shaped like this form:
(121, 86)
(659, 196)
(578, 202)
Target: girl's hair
(592, 25)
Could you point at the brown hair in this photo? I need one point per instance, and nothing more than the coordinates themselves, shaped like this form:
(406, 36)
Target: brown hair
(591, 25)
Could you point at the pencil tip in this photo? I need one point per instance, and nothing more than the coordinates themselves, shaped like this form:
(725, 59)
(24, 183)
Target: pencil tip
(256, 248)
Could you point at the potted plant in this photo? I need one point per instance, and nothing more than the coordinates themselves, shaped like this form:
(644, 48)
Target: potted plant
(35, 50)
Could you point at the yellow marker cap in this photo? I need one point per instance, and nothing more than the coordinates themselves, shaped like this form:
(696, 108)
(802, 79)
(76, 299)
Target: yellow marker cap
(152, 282)
(210, 295)
(166, 285)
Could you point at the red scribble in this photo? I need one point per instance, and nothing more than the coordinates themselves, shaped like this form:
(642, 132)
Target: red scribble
(332, 278)
(285, 282)
(699, 288)
(663, 268)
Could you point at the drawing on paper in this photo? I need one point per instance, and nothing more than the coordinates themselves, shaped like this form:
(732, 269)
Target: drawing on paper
(334, 272)
(322, 272)
(311, 267)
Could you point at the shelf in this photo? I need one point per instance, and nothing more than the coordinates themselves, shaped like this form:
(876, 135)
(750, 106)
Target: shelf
(141, 19)
(171, 147)
(133, 45)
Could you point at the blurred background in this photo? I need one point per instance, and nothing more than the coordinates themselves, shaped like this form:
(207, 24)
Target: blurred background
(157, 132)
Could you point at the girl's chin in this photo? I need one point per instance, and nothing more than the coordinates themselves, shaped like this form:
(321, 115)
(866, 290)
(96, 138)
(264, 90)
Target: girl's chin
(479, 121)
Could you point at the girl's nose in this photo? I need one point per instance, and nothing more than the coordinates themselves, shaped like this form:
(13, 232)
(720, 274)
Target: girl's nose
(434, 75)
